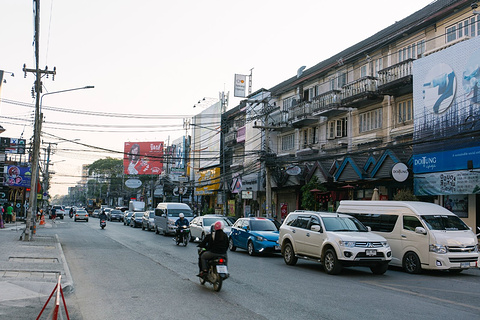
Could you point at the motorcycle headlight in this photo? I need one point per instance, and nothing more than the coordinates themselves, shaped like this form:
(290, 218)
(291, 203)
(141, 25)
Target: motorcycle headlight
(349, 244)
(438, 248)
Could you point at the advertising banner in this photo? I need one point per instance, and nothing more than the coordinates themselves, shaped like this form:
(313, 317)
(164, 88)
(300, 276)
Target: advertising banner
(208, 181)
(17, 176)
(447, 183)
(143, 158)
(12, 145)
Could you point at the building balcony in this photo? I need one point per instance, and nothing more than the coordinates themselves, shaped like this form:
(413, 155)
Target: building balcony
(301, 115)
(360, 92)
(231, 138)
(396, 80)
(327, 104)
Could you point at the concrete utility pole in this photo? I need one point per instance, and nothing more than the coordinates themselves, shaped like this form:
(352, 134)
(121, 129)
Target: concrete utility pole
(38, 121)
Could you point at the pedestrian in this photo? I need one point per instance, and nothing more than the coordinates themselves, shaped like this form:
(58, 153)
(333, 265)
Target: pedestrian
(9, 215)
(1, 217)
(54, 214)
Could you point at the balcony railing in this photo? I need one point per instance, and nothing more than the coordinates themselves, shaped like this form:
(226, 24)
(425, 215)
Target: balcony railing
(300, 111)
(231, 137)
(326, 101)
(358, 87)
(395, 72)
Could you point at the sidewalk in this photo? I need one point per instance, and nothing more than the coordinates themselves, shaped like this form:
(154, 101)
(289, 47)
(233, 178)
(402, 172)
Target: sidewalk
(29, 269)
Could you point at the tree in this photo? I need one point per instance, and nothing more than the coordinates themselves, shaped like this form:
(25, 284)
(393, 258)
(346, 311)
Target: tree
(309, 202)
(405, 195)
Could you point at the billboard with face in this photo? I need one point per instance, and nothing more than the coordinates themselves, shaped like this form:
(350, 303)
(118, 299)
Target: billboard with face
(143, 158)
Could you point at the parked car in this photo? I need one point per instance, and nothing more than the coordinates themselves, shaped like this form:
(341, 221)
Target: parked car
(59, 212)
(136, 219)
(80, 214)
(334, 240)
(115, 215)
(127, 216)
(166, 214)
(201, 226)
(256, 235)
(148, 221)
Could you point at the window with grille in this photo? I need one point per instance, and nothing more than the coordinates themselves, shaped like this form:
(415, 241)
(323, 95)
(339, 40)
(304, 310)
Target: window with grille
(370, 120)
(404, 111)
(337, 128)
(288, 142)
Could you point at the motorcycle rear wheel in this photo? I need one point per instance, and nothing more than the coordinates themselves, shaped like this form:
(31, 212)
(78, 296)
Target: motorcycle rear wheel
(217, 285)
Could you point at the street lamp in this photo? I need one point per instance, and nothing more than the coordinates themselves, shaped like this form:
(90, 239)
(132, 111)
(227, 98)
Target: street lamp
(36, 156)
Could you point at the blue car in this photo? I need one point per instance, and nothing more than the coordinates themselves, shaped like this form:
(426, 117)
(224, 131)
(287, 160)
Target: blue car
(256, 235)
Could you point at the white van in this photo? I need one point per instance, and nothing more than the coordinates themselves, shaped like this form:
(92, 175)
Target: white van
(421, 235)
(166, 214)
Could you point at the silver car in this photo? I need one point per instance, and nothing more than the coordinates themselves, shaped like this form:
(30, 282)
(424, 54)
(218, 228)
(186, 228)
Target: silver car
(80, 214)
(201, 226)
(148, 222)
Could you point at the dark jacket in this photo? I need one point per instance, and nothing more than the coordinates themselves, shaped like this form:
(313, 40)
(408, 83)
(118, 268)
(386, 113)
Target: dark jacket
(217, 244)
(102, 216)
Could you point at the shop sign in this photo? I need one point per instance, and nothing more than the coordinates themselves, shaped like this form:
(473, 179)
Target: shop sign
(133, 183)
(400, 172)
(293, 171)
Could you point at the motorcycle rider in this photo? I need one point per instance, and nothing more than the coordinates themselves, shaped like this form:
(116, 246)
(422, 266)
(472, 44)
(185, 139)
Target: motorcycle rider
(71, 212)
(103, 216)
(216, 244)
(181, 221)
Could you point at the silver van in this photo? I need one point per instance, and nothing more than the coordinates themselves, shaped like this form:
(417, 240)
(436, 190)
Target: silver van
(166, 214)
(422, 235)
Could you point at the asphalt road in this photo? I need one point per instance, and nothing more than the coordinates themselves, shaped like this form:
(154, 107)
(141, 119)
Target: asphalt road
(127, 273)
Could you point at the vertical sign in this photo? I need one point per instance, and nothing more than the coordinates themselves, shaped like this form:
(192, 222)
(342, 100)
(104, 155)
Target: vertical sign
(240, 85)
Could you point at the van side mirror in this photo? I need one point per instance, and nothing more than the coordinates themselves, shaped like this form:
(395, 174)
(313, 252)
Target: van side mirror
(369, 229)
(316, 228)
(420, 230)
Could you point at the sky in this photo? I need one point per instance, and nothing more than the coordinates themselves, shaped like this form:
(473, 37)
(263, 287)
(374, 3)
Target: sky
(151, 62)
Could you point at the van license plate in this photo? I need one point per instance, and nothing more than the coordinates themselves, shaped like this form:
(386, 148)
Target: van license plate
(464, 264)
(222, 269)
(371, 252)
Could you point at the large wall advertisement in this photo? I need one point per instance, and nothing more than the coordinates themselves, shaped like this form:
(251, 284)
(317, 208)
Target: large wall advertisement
(446, 92)
(143, 158)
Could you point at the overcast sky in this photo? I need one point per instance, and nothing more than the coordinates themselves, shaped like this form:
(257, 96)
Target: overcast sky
(158, 59)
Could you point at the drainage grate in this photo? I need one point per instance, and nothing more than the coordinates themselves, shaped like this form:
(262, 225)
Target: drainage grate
(33, 259)
(45, 275)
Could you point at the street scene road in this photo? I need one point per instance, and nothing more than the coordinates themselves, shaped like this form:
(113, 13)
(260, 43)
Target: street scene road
(125, 273)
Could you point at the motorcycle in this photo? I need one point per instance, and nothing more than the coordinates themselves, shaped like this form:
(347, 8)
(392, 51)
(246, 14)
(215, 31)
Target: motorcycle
(103, 224)
(183, 236)
(70, 214)
(217, 271)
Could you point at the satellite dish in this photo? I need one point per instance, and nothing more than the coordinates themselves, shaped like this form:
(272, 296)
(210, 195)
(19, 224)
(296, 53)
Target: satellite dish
(300, 71)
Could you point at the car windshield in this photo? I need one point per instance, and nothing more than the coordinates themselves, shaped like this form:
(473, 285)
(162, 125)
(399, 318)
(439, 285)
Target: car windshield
(444, 222)
(116, 212)
(349, 224)
(209, 221)
(176, 212)
(262, 225)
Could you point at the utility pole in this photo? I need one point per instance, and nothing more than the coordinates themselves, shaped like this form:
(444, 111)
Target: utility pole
(38, 121)
(224, 102)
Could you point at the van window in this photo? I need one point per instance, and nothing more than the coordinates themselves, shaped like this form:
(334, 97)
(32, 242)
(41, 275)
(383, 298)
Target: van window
(176, 212)
(377, 222)
(410, 223)
(159, 212)
(448, 223)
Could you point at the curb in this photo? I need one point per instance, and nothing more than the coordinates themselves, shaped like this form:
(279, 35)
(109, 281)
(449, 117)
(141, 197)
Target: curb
(68, 287)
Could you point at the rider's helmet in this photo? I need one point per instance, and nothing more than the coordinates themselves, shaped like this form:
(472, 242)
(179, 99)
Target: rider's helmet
(181, 215)
(218, 225)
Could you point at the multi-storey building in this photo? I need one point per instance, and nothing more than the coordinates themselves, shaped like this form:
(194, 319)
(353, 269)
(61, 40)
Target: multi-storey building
(363, 120)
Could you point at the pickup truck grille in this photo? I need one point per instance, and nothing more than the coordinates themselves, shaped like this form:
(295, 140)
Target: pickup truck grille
(366, 244)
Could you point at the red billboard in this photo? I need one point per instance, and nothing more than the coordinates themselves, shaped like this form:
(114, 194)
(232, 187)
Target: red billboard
(143, 157)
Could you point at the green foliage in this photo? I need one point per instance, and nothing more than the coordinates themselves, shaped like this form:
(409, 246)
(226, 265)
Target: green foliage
(405, 195)
(110, 167)
(308, 198)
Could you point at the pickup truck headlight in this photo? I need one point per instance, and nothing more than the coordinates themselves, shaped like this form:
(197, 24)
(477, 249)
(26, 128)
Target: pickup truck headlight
(385, 244)
(438, 248)
(171, 222)
(349, 244)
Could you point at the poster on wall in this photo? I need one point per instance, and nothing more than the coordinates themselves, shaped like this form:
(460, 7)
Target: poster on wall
(458, 204)
(18, 176)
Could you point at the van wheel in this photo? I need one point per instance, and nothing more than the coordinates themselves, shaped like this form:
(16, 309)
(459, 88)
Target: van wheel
(156, 230)
(331, 263)
(289, 255)
(411, 263)
(380, 268)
